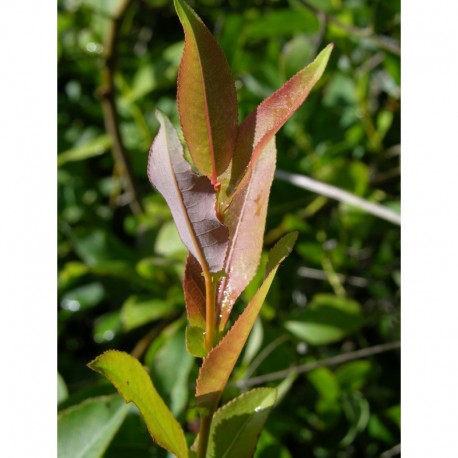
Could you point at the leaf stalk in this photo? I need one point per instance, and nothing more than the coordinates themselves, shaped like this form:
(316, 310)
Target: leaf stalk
(210, 311)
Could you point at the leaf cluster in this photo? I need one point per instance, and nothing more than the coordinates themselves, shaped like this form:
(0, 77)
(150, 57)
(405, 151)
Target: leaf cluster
(120, 275)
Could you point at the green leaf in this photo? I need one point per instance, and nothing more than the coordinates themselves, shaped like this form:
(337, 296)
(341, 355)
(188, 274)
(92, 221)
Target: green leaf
(168, 242)
(86, 430)
(106, 327)
(270, 447)
(357, 410)
(191, 199)
(136, 311)
(237, 425)
(83, 297)
(379, 430)
(134, 384)
(254, 342)
(220, 361)
(207, 100)
(93, 148)
(353, 375)
(325, 382)
(170, 369)
(285, 385)
(195, 341)
(327, 319)
(281, 22)
(62, 391)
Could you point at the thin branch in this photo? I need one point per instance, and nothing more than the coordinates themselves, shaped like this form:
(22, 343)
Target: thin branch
(110, 114)
(394, 451)
(264, 354)
(339, 359)
(339, 194)
(316, 274)
(381, 41)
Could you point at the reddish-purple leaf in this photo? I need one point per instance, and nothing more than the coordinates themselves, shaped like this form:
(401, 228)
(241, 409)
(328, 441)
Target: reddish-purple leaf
(220, 361)
(246, 218)
(265, 121)
(191, 199)
(194, 292)
(207, 101)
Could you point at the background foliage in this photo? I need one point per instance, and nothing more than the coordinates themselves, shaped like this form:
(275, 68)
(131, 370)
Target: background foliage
(120, 270)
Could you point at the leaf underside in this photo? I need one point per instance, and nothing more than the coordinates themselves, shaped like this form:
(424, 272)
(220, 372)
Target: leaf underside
(191, 199)
(135, 385)
(220, 361)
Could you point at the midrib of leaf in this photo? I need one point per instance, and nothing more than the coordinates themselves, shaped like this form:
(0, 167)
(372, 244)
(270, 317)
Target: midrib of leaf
(202, 260)
(214, 177)
(165, 431)
(235, 437)
(98, 435)
(234, 239)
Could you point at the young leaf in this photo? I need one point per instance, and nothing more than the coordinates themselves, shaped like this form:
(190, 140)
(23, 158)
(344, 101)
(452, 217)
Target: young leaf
(246, 218)
(191, 199)
(195, 341)
(194, 292)
(207, 100)
(220, 361)
(236, 426)
(134, 384)
(265, 121)
(86, 430)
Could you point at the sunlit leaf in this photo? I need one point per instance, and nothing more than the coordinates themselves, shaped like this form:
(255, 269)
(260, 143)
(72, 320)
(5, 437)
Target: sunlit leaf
(195, 341)
(246, 218)
(327, 319)
(191, 199)
(206, 96)
(220, 361)
(194, 292)
(258, 129)
(86, 430)
(135, 385)
(236, 426)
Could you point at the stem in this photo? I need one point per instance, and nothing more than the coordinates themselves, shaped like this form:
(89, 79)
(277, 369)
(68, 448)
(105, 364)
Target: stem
(110, 114)
(204, 434)
(210, 332)
(210, 311)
